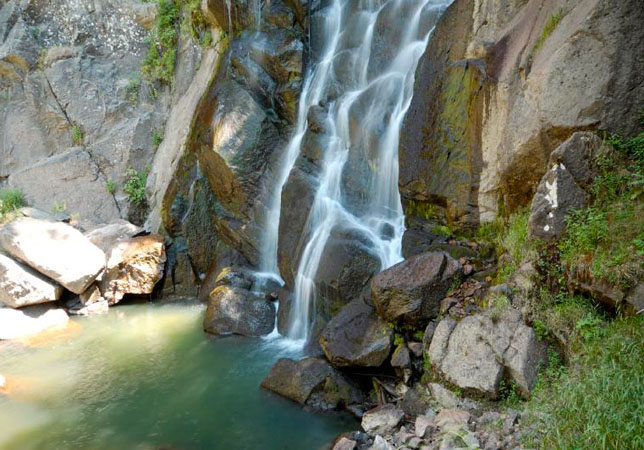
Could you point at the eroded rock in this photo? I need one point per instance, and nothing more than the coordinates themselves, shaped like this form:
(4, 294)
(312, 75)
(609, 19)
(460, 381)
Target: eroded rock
(236, 310)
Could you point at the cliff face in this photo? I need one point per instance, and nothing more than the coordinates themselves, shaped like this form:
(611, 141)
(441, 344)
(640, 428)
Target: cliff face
(501, 85)
(75, 114)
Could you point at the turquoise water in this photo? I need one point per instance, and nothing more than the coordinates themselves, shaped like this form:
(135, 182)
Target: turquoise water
(146, 377)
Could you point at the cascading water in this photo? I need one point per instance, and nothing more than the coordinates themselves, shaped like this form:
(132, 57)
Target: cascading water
(365, 72)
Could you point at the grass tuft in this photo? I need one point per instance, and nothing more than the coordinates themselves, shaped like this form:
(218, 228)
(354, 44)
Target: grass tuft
(551, 24)
(135, 186)
(10, 201)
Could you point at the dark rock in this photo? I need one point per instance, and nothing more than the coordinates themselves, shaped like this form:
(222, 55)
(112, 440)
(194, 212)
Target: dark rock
(236, 310)
(410, 292)
(429, 334)
(356, 337)
(313, 382)
(416, 401)
(401, 358)
(416, 348)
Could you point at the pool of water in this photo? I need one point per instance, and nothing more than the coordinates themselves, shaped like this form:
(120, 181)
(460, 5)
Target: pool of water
(146, 377)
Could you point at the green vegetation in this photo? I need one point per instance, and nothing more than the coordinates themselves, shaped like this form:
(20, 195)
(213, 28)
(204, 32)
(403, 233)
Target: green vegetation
(159, 62)
(607, 238)
(548, 28)
(110, 187)
(598, 402)
(194, 23)
(59, 207)
(132, 88)
(77, 135)
(157, 138)
(135, 186)
(10, 201)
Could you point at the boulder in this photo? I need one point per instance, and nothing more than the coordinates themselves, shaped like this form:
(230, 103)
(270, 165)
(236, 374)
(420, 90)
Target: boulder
(342, 444)
(564, 186)
(401, 358)
(134, 266)
(475, 353)
(382, 420)
(411, 291)
(22, 286)
(105, 236)
(17, 323)
(54, 249)
(356, 337)
(379, 443)
(311, 381)
(234, 310)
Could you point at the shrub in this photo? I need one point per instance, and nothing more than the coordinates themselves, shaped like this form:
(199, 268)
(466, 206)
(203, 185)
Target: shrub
(162, 52)
(135, 186)
(10, 200)
(110, 187)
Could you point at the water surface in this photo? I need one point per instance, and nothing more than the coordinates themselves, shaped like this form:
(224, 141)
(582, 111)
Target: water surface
(145, 376)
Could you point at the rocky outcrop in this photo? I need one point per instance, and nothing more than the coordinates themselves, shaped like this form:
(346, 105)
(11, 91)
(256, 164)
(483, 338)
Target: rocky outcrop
(134, 266)
(313, 382)
(76, 113)
(496, 93)
(411, 291)
(236, 310)
(22, 286)
(356, 337)
(17, 323)
(54, 249)
(566, 185)
(480, 350)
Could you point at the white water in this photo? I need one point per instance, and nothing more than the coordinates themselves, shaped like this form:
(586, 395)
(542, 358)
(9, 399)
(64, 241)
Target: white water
(376, 90)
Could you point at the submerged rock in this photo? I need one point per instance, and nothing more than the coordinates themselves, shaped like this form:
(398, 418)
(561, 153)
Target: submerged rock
(476, 352)
(311, 381)
(411, 291)
(356, 337)
(22, 286)
(234, 310)
(54, 249)
(134, 266)
(17, 323)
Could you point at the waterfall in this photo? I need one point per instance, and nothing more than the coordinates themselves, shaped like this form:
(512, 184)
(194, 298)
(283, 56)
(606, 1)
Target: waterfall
(365, 72)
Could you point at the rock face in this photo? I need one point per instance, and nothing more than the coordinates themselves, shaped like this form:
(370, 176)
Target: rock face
(478, 351)
(311, 381)
(17, 323)
(411, 291)
(564, 187)
(134, 266)
(356, 337)
(77, 113)
(490, 104)
(22, 286)
(54, 249)
(236, 310)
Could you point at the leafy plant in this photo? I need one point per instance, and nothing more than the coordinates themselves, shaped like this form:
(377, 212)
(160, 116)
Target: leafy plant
(10, 200)
(135, 186)
(132, 88)
(159, 62)
(110, 187)
(59, 207)
(157, 138)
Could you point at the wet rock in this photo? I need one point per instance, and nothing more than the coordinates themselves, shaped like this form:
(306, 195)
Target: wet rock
(356, 337)
(345, 444)
(475, 352)
(311, 381)
(21, 286)
(134, 266)
(382, 420)
(17, 323)
(54, 249)
(410, 292)
(236, 310)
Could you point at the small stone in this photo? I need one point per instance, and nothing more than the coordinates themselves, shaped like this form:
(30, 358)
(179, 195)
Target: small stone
(345, 444)
(379, 443)
(425, 426)
(468, 269)
(445, 398)
(382, 420)
(416, 348)
(401, 358)
(452, 418)
(489, 417)
(447, 304)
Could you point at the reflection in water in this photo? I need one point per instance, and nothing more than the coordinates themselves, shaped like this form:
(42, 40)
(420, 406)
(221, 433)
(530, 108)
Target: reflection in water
(145, 376)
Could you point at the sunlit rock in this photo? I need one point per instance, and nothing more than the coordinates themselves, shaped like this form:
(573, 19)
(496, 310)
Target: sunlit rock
(22, 286)
(234, 310)
(18, 323)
